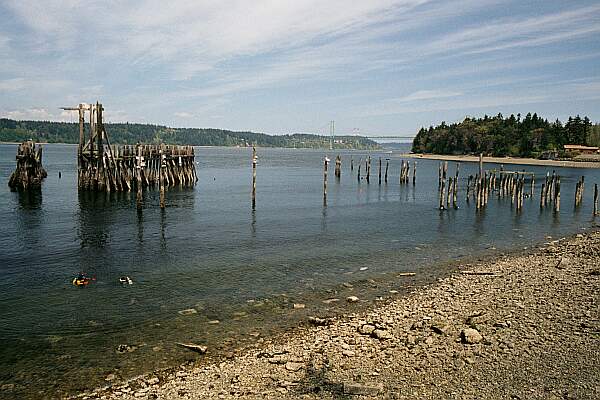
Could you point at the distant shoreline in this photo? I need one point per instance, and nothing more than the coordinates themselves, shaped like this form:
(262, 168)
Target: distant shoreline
(506, 160)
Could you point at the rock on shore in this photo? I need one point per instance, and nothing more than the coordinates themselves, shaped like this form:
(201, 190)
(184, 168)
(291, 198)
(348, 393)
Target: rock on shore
(528, 330)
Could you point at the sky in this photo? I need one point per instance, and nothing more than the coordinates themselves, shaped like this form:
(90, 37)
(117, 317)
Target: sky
(376, 67)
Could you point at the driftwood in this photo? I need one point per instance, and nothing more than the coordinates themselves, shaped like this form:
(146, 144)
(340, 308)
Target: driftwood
(29, 172)
(194, 347)
(486, 273)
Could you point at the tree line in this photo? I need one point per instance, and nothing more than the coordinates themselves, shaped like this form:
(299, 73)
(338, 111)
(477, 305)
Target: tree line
(131, 133)
(531, 136)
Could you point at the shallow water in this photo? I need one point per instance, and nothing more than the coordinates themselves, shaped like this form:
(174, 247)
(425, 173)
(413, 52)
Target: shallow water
(209, 251)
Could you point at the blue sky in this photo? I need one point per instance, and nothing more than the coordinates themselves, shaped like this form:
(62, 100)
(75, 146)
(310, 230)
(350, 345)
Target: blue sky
(378, 67)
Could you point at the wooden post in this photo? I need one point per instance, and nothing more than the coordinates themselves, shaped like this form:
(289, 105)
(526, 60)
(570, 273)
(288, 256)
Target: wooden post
(161, 178)
(380, 170)
(254, 159)
(139, 176)
(595, 199)
(414, 172)
(557, 194)
(325, 180)
(480, 165)
(358, 176)
(387, 164)
(351, 164)
(368, 169)
(542, 195)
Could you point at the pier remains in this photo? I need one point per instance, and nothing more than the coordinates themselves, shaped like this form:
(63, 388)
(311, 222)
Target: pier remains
(29, 173)
(106, 167)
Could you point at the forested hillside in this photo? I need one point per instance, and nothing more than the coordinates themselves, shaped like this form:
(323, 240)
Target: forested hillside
(126, 133)
(511, 136)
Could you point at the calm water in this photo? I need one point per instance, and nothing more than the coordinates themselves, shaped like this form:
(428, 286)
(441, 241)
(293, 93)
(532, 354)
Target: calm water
(209, 251)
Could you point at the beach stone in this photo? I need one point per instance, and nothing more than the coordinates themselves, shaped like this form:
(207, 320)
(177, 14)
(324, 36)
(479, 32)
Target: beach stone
(348, 353)
(8, 387)
(293, 366)
(110, 377)
(329, 301)
(381, 334)
(153, 381)
(188, 311)
(298, 306)
(366, 329)
(214, 322)
(440, 326)
(359, 389)
(352, 299)
(470, 336)
(320, 321)
(125, 348)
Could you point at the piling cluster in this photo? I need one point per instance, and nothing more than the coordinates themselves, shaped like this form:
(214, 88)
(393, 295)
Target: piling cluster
(104, 167)
(447, 187)
(550, 194)
(125, 168)
(29, 172)
(404, 172)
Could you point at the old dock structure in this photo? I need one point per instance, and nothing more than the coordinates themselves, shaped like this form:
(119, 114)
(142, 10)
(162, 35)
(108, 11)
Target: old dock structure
(102, 166)
(29, 173)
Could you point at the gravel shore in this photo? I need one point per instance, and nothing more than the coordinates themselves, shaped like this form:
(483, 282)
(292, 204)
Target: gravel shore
(524, 326)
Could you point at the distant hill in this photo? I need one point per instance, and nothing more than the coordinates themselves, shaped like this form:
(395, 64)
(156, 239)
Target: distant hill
(126, 133)
(512, 136)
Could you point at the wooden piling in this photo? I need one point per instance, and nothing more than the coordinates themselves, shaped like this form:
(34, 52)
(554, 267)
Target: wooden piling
(387, 164)
(369, 169)
(325, 180)
(161, 179)
(414, 177)
(595, 211)
(379, 170)
(254, 161)
(139, 177)
(557, 194)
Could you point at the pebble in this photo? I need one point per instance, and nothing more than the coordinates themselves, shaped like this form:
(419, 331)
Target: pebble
(352, 299)
(293, 366)
(470, 336)
(188, 311)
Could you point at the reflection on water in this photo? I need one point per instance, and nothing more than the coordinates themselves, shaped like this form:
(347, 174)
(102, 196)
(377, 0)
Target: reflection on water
(208, 250)
(29, 199)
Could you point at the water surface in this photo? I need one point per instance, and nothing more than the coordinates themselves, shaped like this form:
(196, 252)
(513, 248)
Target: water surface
(208, 250)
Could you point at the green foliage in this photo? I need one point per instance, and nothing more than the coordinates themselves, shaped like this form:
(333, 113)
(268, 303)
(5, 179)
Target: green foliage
(126, 133)
(511, 136)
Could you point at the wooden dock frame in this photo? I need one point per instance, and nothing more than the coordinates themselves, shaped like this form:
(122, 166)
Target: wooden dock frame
(105, 167)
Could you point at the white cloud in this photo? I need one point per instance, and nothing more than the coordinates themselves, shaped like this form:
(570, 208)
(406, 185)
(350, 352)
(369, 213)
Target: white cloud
(183, 114)
(10, 85)
(428, 95)
(30, 114)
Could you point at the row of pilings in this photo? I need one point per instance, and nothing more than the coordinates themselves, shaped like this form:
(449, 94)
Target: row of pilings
(515, 185)
(29, 172)
(126, 168)
(382, 174)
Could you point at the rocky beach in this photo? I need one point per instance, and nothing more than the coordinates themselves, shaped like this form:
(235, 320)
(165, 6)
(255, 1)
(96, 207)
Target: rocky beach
(520, 326)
